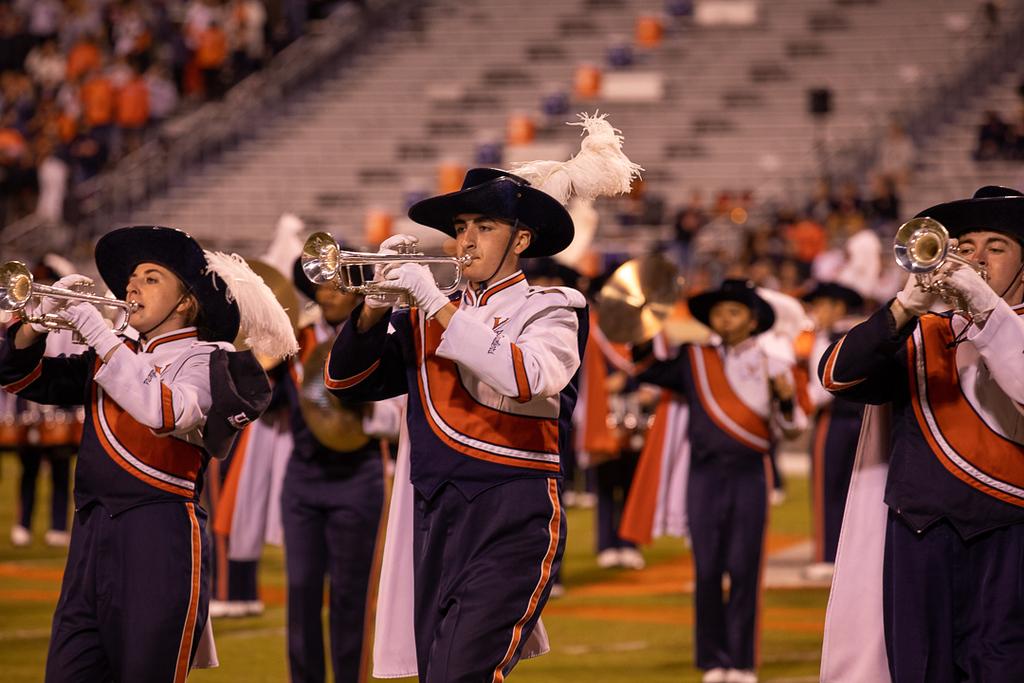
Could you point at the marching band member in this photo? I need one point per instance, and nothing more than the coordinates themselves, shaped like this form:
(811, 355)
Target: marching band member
(735, 392)
(837, 425)
(492, 381)
(944, 587)
(331, 507)
(134, 595)
(50, 433)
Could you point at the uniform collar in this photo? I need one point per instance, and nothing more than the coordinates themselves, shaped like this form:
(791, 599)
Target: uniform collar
(481, 298)
(182, 334)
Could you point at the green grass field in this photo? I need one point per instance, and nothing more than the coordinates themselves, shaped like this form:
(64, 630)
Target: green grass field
(613, 626)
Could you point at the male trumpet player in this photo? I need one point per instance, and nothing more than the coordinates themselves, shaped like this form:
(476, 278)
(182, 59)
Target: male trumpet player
(491, 380)
(954, 531)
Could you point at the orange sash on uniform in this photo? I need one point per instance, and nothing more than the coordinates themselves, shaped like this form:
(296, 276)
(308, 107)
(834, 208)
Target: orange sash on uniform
(958, 436)
(722, 405)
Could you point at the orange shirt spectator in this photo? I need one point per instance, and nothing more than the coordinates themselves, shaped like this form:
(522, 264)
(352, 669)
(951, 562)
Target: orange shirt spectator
(98, 101)
(82, 58)
(12, 145)
(133, 104)
(807, 239)
(211, 47)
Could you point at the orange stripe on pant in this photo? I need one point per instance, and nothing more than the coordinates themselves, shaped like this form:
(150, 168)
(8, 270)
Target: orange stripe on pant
(554, 527)
(188, 632)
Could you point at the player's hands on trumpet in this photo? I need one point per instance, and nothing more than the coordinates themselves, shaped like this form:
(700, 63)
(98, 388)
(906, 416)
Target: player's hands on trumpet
(394, 245)
(92, 327)
(40, 306)
(973, 289)
(417, 279)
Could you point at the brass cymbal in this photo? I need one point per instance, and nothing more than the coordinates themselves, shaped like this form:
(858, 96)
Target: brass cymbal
(335, 424)
(284, 292)
(637, 298)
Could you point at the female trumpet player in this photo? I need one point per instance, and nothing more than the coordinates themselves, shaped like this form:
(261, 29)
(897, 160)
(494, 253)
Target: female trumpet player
(133, 600)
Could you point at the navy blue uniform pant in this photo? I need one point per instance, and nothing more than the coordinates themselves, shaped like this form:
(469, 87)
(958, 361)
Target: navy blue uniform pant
(133, 601)
(31, 458)
(614, 478)
(727, 513)
(835, 450)
(954, 609)
(331, 514)
(482, 576)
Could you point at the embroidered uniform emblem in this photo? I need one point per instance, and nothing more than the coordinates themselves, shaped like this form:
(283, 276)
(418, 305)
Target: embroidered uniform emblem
(239, 421)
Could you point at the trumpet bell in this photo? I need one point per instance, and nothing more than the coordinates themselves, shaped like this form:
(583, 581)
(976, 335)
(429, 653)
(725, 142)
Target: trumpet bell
(921, 245)
(320, 258)
(15, 286)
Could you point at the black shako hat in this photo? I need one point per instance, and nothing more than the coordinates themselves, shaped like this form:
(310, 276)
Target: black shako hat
(741, 291)
(834, 290)
(120, 251)
(499, 194)
(992, 208)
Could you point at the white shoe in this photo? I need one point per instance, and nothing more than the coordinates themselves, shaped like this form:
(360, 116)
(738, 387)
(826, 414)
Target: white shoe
(741, 676)
(819, 571)
(716, 675)
(778, 496)
(20, 536)
(228, 609)
(569, 499)
(631, 558)
(608, 558)
(586, 500)
(557, 591)
(57, 539)
(254, 608)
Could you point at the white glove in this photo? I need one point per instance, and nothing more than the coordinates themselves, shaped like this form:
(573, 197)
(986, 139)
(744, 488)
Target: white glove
(980, 297)
(390, 246)
(915, 300)
(417, 279)
(39, 306)
(92, 326)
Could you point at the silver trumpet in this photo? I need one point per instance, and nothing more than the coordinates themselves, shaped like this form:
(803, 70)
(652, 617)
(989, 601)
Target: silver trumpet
(17, 288)
(922, 247)
(324, 262)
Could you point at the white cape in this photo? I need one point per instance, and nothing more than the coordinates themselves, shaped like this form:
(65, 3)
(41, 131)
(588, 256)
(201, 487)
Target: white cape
(853, 650)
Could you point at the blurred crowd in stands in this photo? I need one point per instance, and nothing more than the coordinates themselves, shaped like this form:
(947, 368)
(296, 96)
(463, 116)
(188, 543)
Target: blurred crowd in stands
(84, 82)
(843, 232)
(999, 138)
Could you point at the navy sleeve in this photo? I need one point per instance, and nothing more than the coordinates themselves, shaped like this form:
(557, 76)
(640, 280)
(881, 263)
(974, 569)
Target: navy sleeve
(869, 363)
(60, 381)
(668, 374)
(368, 366)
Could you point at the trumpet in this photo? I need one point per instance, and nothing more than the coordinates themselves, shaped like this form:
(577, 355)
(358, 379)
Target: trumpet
(921, 247)
(17, 287)
(324, 262)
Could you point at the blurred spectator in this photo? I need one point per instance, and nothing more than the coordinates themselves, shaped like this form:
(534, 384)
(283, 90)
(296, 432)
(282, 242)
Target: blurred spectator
(807, 239)
(132, 111)
(44, 17)
(46, 65)
(821, 204)
(163, 94)
(53, 183)
(993, 138)
(211, 55)
(688, 221)
(896, 155)
(247, 21)
(884, 205)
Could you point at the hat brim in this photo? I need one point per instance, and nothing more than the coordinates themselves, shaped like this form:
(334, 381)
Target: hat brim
(701, 305)
(120, 251)
(991, 214)
(832, 290)
(507, 200)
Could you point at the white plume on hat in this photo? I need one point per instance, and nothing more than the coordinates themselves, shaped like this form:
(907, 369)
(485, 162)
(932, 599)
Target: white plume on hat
(287, 243)
(59, 264)
(266, 326)
(600, 169)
